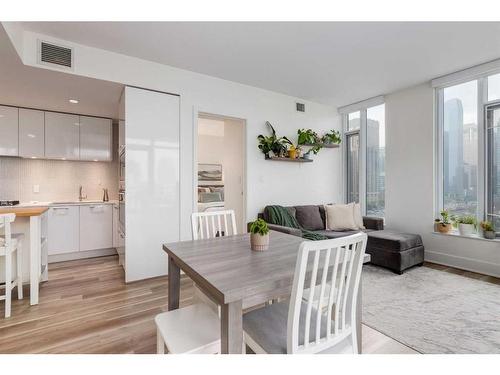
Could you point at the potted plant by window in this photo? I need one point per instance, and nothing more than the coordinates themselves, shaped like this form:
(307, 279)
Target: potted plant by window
(466, 224)
(332, 137)
(259, 235)
(444, 225)
(488, 230)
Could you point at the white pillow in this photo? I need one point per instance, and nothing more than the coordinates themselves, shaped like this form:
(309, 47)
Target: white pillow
(358, 219)
(340, 217)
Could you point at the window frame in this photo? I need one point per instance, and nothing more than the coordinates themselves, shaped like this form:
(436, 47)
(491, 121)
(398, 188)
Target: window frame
(482, 166)
(362, 107)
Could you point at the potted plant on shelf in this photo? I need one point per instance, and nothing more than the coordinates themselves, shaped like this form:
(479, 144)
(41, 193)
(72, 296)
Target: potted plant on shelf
(332, 137)
(259, 235)
(488, 230)
(267, 144)
(308, 137)
(466, 224)
(444, 225)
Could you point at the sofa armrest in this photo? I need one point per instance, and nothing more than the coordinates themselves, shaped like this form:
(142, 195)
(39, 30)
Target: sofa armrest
(375, 223)
(282, 229)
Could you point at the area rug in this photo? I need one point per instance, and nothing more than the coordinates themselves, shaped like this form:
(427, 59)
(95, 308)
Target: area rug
(433, 311)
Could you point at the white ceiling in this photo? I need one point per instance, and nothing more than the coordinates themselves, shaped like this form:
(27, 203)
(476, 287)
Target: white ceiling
(329, 62)
(25, 86)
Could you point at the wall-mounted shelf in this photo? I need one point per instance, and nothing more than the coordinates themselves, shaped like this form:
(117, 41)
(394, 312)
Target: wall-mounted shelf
(324, 145)
(297, 160)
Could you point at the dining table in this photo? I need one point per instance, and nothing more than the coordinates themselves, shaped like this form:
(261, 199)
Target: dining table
(237, 278)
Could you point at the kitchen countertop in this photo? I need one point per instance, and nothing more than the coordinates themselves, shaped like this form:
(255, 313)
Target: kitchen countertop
(60, 203)
(23, 211)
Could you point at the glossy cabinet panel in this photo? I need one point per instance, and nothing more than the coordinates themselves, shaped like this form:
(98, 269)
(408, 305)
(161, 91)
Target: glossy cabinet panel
(9, 128)
(62, 136)
(31, 133)
(151, 180)
(95, 138)
(63, 230)
(96, 227)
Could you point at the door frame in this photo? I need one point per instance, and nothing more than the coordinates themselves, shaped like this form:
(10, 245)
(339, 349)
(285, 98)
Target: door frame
(197, 113)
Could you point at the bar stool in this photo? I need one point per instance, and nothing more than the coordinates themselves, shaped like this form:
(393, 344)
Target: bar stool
(10, 243)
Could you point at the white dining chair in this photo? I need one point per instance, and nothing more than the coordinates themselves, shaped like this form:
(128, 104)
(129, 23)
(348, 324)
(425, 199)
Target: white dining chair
(195, 329)
(297, 326)
(10, 244)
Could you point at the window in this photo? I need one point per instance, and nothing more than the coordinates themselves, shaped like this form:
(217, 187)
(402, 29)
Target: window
(468, 118)
(375, 161)
(364, 137)
(460, 149)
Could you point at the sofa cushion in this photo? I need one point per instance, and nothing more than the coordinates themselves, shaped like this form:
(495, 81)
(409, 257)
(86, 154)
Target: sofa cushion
(309, 217)
(340, 217)
(389, 240)
(265, 213)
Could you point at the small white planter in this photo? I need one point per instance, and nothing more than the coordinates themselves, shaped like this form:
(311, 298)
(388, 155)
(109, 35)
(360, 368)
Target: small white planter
(466, 229)
(258, 242)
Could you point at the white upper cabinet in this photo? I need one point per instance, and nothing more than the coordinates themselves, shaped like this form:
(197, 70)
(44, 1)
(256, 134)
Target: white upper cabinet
(62, 136)
(9, 129)
(31, 133)
(95, 138)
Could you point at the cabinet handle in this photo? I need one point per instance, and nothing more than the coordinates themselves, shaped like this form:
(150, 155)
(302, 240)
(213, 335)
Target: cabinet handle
(60, 208)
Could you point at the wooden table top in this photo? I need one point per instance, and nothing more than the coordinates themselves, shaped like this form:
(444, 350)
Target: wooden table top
(232, 271)
(23, 211)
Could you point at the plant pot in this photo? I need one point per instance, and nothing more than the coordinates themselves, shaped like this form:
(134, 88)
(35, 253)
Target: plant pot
(465, 229)
(489, 234)
(307, 156)
(436, 226)
(259, 242)
(444, 228)
(292, 154)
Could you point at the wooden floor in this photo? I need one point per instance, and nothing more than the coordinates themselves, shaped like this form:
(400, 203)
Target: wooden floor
(86, 307)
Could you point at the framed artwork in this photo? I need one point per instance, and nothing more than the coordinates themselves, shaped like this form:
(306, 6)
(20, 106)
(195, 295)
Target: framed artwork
(210, 172)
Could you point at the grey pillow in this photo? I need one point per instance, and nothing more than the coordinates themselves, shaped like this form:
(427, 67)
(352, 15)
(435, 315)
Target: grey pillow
(309, 217)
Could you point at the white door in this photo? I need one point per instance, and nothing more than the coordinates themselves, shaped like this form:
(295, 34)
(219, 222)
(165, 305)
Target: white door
(96, 227)
(31, 133)
(62, 136)
(95, 138)
(63, 230)
(9, 120)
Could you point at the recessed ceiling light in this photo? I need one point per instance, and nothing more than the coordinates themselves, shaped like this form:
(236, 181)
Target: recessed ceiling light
(73, 101)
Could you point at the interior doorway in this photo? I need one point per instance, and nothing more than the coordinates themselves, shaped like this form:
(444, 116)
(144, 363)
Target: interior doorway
(220, 166)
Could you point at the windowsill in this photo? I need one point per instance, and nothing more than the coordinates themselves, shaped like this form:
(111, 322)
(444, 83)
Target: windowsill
(473, 237)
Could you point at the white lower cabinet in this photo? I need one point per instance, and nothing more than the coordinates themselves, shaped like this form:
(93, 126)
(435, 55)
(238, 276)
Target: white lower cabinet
(63, 230)
(96, 227)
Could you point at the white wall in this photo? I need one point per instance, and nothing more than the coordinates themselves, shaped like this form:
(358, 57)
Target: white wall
(267, 182)
(410, 139)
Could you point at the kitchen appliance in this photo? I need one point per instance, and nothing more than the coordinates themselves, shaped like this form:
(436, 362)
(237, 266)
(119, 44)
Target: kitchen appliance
(121, 193)
(9, 203)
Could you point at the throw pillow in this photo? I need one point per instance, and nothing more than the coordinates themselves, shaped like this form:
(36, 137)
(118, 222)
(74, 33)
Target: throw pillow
(340, 217)
(309, 217)
(358, 218)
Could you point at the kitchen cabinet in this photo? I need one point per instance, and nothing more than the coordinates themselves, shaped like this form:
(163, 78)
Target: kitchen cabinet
(63, 230)
(31, 133)
(96, 227)
(115, 226)
(95, 138)
(62, 136)
(121, 134)
(9, 131)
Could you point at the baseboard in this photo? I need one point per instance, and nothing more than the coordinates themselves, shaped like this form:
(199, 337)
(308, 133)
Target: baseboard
(81, 255)
(468, 264)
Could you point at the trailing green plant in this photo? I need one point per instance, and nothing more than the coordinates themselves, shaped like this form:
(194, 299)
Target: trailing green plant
(487, 226)
(333, 136)
(307, 137)
(466, 219)
(272, 143)
(259, 226)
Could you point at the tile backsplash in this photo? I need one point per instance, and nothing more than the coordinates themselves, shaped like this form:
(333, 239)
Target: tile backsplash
(58, 180)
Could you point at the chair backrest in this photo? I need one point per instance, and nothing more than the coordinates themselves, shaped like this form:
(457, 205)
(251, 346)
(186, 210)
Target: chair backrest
(327, 319)
(213, 224)
(5, 221)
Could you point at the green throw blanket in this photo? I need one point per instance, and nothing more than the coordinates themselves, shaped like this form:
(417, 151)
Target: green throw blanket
(279, 215)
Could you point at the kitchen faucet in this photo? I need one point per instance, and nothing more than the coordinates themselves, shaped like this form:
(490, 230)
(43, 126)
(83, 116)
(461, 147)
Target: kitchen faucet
(81, 197)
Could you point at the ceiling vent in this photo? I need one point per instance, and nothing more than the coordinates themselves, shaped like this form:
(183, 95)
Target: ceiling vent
(55, 55)
(301, 107)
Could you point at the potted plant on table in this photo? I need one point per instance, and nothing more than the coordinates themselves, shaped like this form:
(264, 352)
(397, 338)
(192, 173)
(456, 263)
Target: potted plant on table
(444, 225)
(259, 235)
(488, 230)
(466, 224)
